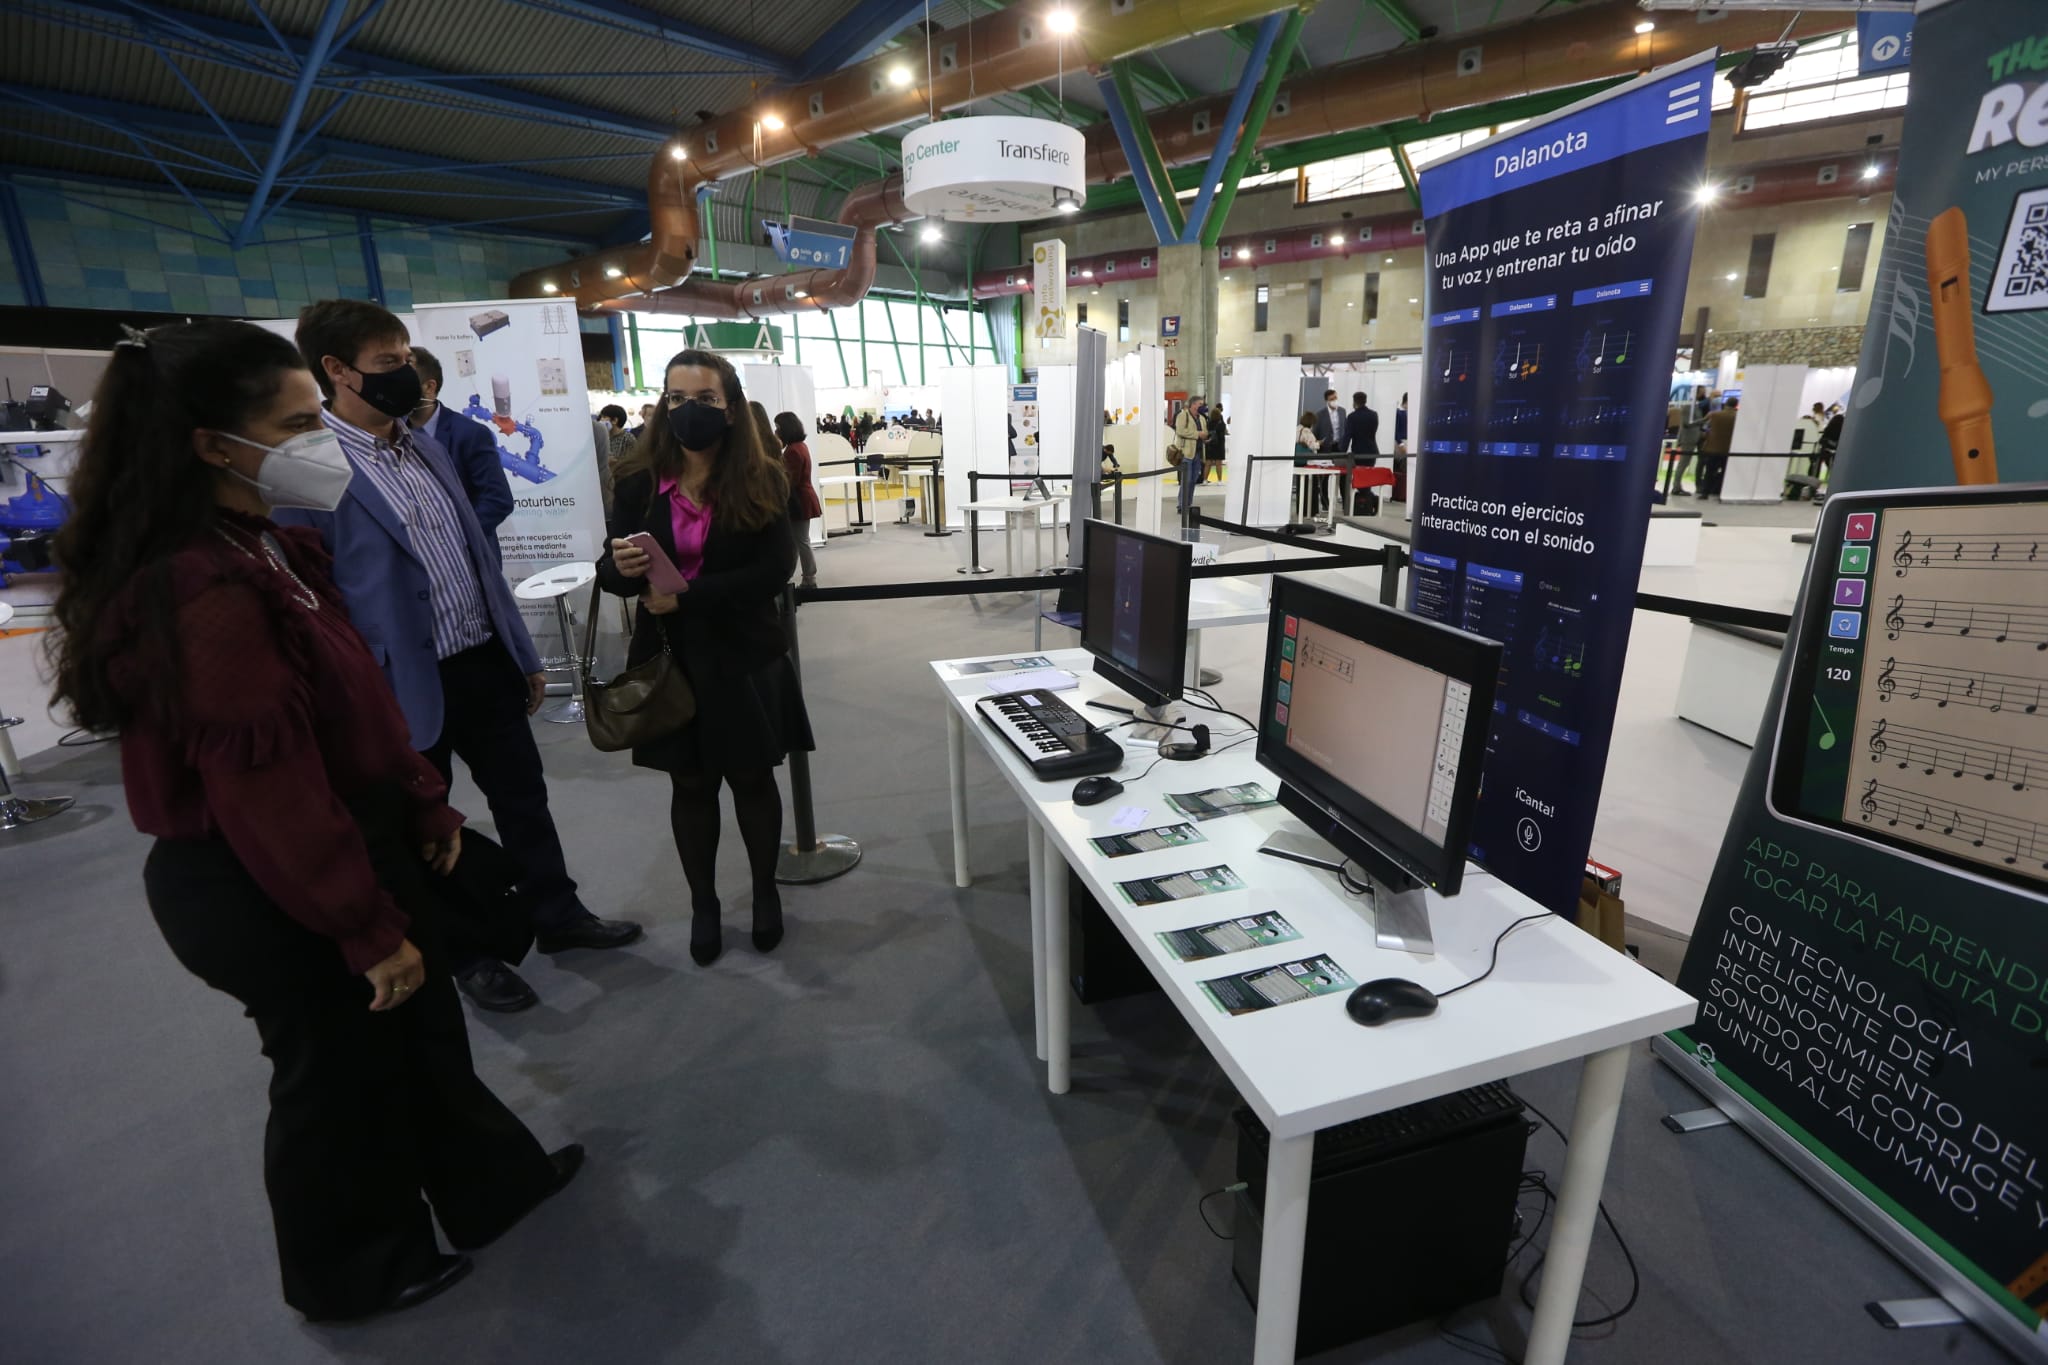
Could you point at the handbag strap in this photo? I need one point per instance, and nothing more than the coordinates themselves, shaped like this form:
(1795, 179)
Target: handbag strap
(589, 659)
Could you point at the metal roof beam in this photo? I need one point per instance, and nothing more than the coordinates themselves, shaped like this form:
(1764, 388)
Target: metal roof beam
(249, 48)
(288, 128)
(1409, 27)
(857, 36)
(119, 115)
(632, 18)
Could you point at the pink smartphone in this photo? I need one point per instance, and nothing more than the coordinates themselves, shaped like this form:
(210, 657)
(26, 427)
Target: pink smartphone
(662, 574)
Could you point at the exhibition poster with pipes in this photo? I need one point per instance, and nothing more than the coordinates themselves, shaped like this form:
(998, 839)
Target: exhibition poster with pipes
(516, 368)
(1555, 280)
(1874, 988)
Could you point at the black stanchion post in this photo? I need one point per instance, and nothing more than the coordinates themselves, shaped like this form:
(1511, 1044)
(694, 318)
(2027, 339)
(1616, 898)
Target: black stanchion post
(1390, 576)
(814, 857)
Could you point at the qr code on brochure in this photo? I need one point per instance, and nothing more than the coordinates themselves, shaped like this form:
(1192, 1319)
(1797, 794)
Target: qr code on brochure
(2020, 283)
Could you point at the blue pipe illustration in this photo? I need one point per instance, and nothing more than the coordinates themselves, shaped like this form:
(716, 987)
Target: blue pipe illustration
(527, 466)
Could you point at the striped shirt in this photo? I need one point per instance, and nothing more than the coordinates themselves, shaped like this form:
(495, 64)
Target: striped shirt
(400, 475)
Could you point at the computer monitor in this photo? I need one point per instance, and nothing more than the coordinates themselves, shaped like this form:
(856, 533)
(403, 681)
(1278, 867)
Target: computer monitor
(1375, 721)
(1134, 616)
(1919, 681)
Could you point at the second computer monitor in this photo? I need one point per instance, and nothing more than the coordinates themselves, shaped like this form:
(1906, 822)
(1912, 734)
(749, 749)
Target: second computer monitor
(1134, 619)
(1375, 721)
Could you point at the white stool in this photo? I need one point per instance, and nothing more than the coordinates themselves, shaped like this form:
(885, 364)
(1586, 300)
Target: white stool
(16, 811)
(558, 583)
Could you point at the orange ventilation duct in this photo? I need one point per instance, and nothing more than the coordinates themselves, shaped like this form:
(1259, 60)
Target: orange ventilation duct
(1588, 44)
(1000, 52)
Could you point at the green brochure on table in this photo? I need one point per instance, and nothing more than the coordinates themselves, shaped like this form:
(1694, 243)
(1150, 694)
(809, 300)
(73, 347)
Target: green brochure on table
(1216, 801)
(1147, 840)
(1282, 985)
(1228, 936)
(1179, 886)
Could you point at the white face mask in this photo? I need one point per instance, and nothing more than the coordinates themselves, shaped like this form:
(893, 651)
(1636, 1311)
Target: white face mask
(310, 470)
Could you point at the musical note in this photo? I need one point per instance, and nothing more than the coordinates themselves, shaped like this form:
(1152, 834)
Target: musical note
(1968, 621)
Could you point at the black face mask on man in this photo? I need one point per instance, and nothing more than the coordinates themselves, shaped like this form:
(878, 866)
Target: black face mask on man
(395, 393)
(698, 426)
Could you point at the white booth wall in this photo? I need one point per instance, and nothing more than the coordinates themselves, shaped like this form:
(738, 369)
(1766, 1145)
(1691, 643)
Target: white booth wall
(1056, 421)
(1259, 394)
(975, 401)
(1773, 399)
(783, 388)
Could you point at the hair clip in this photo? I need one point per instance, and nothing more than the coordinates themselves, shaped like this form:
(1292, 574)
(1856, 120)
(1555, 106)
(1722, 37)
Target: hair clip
(131, 336)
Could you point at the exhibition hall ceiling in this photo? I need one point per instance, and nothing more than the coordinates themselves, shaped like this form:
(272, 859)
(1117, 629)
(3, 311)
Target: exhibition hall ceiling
(537, 113)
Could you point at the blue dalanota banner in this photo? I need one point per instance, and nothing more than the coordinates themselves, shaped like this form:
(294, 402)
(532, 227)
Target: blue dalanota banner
(1557, 261)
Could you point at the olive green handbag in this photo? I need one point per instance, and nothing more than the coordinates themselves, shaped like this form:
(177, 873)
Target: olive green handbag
(647, 702)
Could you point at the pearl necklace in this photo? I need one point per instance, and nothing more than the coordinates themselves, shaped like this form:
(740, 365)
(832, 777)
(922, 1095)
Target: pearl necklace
(305, 596)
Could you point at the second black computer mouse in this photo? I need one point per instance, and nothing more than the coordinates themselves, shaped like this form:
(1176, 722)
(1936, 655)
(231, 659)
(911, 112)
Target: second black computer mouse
(1091, 791)
(1390, 997)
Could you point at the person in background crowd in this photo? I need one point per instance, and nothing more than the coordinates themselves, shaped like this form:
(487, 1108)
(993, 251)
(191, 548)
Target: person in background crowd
(646, 416)
(619, 441)
(714, 497)
(1401, 427)
(1830, 437)
(1715, 443)
(1811, 425)
(803, 495)
(469, 443)
(1191, 433)
(600, 445)
(1330, 424)
(1306, 446)
(299, 837)
(1362, 438)
(1213, 452)
(416, 574)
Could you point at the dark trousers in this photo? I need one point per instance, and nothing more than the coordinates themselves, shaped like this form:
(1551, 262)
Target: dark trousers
(484, 722)
(367, 1111)
(1707, 480)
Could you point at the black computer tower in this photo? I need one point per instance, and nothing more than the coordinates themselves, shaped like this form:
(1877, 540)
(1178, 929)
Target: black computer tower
(1410, 1231)
(1100, 962)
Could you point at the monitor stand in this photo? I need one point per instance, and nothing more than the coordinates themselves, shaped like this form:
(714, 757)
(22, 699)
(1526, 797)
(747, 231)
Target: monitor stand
(1400, 911)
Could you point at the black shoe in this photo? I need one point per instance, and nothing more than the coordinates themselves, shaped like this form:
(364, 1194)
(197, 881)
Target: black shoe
(566, 1161)
(767, 921)
(453, 1270)
(707, 938)
(491, 985)
(588, 932)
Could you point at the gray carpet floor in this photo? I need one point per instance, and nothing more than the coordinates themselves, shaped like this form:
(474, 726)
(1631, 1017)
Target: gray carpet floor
(842, 1152)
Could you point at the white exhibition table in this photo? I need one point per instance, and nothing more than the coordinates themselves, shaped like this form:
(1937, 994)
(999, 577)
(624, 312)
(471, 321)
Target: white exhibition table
(856, 515)
(1014, 510)
(1557, 994)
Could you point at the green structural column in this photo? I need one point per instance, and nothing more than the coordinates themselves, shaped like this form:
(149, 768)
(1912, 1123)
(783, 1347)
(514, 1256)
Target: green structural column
(1187, 290)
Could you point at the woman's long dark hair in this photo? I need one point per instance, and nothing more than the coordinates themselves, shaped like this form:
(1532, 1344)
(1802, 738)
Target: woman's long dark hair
(140, 494)
(748, 488)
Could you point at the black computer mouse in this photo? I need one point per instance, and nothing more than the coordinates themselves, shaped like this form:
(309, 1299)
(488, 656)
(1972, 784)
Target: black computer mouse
(1091, 791)
(1388, 998)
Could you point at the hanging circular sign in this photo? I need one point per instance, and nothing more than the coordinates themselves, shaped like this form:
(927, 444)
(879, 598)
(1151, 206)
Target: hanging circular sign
(993, 168)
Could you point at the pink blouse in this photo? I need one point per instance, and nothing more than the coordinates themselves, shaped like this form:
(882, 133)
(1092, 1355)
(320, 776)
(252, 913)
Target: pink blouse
(690, 524)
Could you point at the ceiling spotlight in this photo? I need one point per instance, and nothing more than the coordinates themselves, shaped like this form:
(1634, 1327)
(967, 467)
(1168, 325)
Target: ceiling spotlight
(549, 287)
(612, 272)
(1060, 21)
(1390, 260)
(772, 122)
(1244, 253)
(1226, 279)
(1415, 300)
(1647, 26)
(1336, 239)
(1729, 276)
(1706, 194)
(1871, 171)
(676, 152)
(1066, 201)
(899, 75)
(931, 233)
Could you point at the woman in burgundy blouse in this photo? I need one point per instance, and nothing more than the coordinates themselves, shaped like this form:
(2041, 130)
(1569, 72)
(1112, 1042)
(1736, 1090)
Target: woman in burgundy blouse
(804, 507)
(297, 830)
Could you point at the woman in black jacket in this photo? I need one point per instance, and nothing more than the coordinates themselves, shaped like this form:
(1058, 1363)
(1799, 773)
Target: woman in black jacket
(712, 494)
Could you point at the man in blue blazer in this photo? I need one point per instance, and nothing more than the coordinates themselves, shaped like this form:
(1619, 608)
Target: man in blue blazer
(468, 442)
(421, 581)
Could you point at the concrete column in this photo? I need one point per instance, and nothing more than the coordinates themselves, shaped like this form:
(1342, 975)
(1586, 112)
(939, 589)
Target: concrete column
(1187, 287)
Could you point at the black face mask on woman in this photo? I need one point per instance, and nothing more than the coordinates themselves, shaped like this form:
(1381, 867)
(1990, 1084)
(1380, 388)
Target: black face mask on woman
(699, 426)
